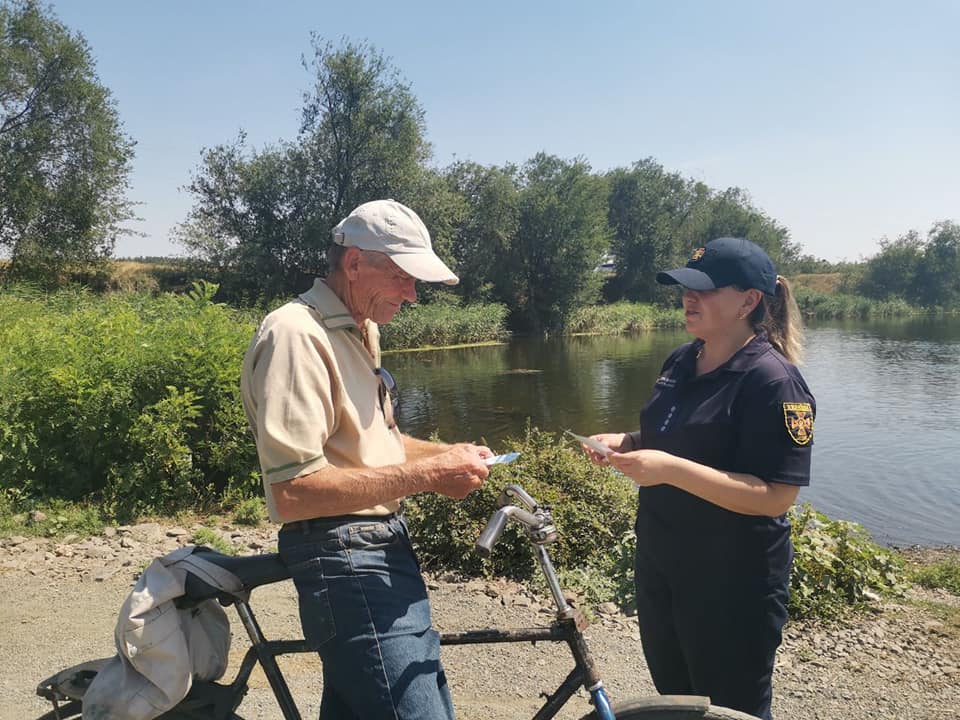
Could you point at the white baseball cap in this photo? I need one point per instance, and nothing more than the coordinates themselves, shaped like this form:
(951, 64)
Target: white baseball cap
(391, 228)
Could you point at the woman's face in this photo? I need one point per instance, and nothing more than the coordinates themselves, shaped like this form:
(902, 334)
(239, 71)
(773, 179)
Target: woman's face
(711, 313)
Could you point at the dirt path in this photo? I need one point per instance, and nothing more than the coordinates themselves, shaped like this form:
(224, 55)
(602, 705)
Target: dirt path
(60, 604)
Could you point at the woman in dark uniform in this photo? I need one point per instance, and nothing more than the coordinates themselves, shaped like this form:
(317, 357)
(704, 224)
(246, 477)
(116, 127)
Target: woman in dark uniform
(723, 448)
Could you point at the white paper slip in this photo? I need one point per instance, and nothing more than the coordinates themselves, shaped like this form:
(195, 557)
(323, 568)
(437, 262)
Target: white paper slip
(590, 443)
(500, 459)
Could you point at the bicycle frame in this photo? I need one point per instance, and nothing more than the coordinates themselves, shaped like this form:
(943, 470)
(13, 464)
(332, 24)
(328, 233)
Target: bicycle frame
(566, 628)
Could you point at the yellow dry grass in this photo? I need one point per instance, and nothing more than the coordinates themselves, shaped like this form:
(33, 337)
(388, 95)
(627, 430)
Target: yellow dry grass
(818, 282)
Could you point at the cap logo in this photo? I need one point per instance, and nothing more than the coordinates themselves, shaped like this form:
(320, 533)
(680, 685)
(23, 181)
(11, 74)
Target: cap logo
(799, 421)
(698, 253)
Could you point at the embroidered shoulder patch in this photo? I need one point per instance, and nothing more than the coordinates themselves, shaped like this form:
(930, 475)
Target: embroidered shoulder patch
(698, 253)
(799, 421)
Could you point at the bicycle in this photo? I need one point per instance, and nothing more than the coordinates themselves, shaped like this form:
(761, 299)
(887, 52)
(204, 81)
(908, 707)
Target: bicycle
(217, 701)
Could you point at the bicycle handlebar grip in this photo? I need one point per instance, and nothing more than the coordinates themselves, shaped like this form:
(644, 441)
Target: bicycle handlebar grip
(491, 533)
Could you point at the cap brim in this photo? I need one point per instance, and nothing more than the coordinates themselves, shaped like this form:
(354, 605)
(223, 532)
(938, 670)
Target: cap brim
(688, 277)
(426, 267)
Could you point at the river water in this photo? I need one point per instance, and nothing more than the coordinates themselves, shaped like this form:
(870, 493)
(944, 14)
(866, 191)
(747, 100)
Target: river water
(887, 438)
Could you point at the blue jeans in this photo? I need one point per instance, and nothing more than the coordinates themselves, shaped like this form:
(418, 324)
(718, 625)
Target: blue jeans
(364, 606)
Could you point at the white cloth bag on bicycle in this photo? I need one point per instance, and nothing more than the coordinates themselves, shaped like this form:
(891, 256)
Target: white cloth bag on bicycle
(160, 648)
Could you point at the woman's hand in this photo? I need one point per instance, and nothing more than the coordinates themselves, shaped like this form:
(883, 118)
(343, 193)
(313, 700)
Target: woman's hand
(614, 441)
(644, 467)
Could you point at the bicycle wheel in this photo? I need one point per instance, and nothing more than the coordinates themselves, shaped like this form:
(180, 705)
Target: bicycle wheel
(673, 707)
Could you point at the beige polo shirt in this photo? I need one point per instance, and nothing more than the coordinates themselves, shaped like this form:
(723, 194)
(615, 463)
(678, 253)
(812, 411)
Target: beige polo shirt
(311, 395)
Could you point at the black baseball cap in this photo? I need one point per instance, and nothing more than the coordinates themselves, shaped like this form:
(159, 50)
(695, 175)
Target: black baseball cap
(724, 262)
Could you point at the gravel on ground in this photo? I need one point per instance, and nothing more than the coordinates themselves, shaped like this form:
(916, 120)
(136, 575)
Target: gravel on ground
(61, 598)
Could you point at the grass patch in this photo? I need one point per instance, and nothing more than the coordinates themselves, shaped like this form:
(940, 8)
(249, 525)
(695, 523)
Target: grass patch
(212, 539)
(50, 519)
(622, 318)
(443, 324)
(251, 512)
(942, 574)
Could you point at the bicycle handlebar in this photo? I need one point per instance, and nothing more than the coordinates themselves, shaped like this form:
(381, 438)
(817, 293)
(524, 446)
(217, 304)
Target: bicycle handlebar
(538, 521)
(498, 521)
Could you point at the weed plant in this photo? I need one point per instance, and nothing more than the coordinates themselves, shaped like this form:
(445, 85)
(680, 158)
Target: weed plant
(212, 539)
(837, 566)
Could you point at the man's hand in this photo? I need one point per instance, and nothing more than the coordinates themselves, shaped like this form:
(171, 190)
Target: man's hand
(460, 469)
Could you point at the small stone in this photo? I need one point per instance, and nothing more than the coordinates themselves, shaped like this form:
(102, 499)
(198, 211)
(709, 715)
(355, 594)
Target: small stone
(104, 573)
(109, 532)
(35, 517)
(97, 553)
(177, 532)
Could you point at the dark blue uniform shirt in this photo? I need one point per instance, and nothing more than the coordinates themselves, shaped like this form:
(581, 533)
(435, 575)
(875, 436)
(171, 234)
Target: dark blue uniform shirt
(753, 414)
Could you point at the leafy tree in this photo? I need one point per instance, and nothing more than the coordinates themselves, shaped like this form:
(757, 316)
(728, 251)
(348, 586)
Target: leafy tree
(561, 234)
(937, 279)
(363, 130)
(892, 272)
(254, 223)
(654, 215)
(263, 218)
(64, 160)
(485, 234)
(731, 213)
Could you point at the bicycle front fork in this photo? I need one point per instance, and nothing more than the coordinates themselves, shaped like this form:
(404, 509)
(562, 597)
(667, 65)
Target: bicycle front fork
(598, 696)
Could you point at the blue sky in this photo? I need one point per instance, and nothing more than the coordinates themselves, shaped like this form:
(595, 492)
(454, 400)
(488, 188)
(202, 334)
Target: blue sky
(842, 120)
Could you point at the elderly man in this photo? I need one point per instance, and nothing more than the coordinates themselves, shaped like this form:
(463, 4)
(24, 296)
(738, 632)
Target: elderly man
(336, 467)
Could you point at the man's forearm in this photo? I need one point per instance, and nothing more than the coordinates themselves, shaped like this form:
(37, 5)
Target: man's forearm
(337, 491)
(417, 449)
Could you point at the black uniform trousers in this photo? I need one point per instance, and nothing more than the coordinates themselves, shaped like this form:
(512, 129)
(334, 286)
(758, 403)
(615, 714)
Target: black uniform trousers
(710, 624)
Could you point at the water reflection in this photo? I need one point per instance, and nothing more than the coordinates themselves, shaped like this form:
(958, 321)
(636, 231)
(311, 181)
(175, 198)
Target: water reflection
(888, 424)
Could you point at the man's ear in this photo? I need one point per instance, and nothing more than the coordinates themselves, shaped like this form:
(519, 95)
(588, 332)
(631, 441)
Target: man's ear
(350, 262)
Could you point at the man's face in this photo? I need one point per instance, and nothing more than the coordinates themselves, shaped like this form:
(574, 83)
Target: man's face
(379, 287)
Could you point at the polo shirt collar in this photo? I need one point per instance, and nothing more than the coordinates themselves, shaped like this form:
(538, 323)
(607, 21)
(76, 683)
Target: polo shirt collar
(741, 361)
(744, 358)
(333, 313)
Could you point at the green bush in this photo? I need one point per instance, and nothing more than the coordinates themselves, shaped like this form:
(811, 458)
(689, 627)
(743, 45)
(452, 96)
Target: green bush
(943, 574)
(837, 566)
(623, 317)
(127, 399)
(444, 323)
(593, 510)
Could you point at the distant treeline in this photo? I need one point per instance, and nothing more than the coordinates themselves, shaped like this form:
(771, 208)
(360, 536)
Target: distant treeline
(541, 237)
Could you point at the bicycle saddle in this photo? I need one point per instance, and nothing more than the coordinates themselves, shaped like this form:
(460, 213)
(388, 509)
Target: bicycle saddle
(253, 571)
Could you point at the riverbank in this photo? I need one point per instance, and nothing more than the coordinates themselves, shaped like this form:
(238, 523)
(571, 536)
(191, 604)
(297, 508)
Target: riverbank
(899, 660)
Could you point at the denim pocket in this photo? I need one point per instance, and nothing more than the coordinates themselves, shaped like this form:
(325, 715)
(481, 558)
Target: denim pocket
(316, 615)
(371, 536)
